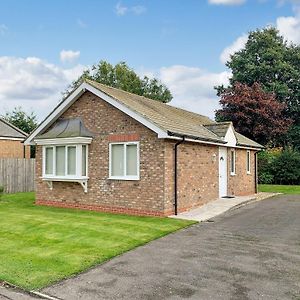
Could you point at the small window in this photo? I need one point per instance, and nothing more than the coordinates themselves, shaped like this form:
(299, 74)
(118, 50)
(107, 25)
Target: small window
(232, 162)
(248, 162)
(124, 161)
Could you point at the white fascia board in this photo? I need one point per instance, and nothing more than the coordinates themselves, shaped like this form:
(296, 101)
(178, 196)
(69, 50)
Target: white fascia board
(55, 114)
(60, 109)
(11, 138)
(64, 141)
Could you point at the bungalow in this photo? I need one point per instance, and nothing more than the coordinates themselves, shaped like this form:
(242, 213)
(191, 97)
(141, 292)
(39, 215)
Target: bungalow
(11, 141)
(108, 150)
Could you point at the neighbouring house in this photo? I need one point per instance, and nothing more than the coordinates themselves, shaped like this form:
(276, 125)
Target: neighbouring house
(108, 150)
(12, 141)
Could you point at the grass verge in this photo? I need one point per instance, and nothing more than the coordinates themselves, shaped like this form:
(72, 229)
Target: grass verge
(42, 245)
(285, 189)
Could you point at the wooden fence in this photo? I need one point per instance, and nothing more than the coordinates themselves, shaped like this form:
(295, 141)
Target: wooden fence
(17, 174)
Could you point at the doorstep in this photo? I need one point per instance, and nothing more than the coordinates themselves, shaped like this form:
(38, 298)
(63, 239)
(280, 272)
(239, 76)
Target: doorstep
(219, 206)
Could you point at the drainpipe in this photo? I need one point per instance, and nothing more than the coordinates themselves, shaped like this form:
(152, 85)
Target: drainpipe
(175, 173)
(255, 171)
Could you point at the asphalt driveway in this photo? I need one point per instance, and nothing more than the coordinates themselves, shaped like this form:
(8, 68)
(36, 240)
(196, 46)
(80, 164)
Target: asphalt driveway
(249, 253)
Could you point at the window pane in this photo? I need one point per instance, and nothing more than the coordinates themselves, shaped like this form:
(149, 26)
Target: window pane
(117, 160)
(60, 160)
(72, 160)
(232, 162)
(248, 161)
(83, 173)
(49, 161)
(131, 159)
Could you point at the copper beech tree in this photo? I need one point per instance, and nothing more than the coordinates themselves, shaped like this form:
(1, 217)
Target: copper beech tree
(255, 113)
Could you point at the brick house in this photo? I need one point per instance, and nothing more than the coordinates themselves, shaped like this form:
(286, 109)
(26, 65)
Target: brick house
(11, 141)
(108, 150)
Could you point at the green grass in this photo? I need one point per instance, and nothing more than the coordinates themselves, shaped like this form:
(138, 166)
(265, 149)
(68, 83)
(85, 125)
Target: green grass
(41, 245)
(285, 189)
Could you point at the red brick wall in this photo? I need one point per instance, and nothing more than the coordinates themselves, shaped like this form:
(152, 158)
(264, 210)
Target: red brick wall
(242, 183)
(13, 149)
(197, 175)
(108, 124)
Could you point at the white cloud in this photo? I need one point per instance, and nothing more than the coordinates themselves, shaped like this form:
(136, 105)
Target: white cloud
(193, 88)
(122, 10)
(81, 23)
(69, 55)
(138, 10)
(3, 29)
(227, 2)
(33, 83)
(237, 45)
(289, 27)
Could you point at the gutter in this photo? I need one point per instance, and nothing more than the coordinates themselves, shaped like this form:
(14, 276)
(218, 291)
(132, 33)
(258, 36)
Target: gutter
(170, 133)
(175, 174)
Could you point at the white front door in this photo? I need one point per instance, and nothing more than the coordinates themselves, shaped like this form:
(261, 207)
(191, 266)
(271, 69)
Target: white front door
(222, 172)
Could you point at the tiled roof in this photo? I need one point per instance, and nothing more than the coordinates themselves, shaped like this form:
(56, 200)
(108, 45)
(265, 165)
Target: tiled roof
(10, 131)
(175, 121)
(169, 118)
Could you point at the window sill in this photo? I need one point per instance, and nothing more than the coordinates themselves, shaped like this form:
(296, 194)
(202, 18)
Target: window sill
(124, 178)
(232, 174)
(248, 173)
(64, 178)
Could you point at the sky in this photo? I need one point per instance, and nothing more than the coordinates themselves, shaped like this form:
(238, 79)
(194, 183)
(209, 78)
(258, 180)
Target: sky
(45, 45)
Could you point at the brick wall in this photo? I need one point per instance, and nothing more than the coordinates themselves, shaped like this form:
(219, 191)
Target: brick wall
(109, 124)
(242, 183)
(13, 149)
(197, 175)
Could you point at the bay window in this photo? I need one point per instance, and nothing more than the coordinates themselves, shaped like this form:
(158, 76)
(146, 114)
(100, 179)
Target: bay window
(124, 161)
(65, 161)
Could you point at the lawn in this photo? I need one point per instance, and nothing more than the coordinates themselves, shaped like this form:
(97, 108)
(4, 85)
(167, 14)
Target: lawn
(41, 245)
(285, 189)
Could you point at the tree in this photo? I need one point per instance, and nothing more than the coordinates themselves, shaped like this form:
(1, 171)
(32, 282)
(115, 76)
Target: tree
(19, 118)
(122, 77)
(275, 64)
(254, 112)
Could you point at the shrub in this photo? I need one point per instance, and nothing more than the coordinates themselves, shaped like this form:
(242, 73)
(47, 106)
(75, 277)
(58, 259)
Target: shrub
(1, 191)
(286, 168)
(276, 166)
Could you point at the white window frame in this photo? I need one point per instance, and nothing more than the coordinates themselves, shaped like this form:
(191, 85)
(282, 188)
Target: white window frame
(125, 177)
(248, 162)
(66, 176)
(232, 172)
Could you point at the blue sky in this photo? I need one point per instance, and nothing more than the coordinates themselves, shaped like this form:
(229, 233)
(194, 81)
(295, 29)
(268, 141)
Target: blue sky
(47, 44)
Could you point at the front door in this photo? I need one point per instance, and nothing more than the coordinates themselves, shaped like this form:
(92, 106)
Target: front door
(222, 172)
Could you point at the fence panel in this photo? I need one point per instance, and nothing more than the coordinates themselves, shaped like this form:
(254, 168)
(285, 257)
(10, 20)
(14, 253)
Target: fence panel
(17, 174)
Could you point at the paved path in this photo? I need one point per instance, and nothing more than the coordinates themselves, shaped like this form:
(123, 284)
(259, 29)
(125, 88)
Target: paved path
(219, 206)
(249, 253)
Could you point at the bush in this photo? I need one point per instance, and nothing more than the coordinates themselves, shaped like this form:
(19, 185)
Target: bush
(276, 166)
(1, 191)
(286, 168)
